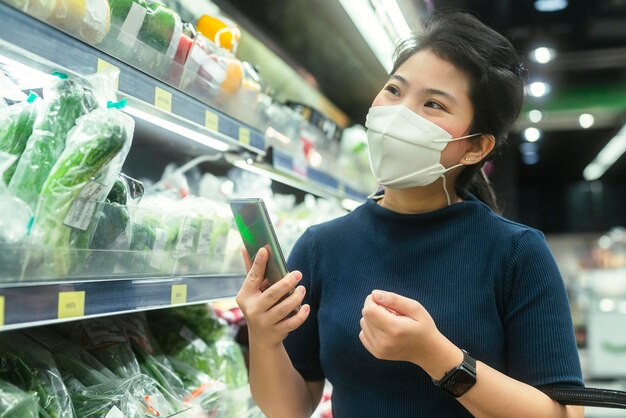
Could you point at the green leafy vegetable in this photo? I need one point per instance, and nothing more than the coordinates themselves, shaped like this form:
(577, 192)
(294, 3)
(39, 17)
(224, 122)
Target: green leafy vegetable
(63, 104)
(16, 126)
(31, 368)
(17, 403)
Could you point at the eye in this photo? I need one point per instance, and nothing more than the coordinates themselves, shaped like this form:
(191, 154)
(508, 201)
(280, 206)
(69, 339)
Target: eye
(434, 105)
(392, 89)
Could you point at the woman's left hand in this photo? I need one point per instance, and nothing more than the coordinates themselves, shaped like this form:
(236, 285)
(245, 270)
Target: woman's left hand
(397, 328)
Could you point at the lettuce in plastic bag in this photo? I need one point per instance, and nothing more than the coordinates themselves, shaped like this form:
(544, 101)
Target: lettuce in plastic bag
(31, 368)
(64, 102)
(16, 403)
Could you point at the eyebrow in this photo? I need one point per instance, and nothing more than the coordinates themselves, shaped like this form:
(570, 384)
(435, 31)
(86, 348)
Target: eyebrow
(427, 91)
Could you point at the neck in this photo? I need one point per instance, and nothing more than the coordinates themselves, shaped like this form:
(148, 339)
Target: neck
(419, 199)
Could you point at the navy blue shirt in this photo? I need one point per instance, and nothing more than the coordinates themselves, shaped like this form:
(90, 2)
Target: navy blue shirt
(491, 286)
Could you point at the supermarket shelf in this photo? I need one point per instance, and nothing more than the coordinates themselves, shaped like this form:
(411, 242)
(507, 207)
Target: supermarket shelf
(30, 304)
(39, 44)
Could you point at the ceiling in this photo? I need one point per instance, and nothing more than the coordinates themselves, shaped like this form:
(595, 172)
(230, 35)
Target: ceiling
(588, 74)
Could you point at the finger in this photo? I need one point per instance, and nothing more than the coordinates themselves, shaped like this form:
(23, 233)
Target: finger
(265, 285)
(281, 310)
(246, 259)
(377, 316)
(278, 290)
(400, 304)
(371, 337)
(256, 275)
(289, 324)
(366, 343)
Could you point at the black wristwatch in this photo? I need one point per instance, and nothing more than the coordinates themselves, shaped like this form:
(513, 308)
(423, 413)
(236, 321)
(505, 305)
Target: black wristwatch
(460, 379)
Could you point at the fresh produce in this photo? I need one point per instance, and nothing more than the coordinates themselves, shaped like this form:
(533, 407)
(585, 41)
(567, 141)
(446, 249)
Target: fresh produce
(221, 359)
(64, 102)
(16, 126)
(136, 397)
(73, 361)
(14, 402)
(201, 319)
(102, 137)
(151, 359)
(104, 339)
(31, 368)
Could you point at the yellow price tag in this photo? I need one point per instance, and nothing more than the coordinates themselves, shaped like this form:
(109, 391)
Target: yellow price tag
(244, 136)
(105, 65)
(163, 99)
(1, 311)
(179, 294)
(211, 121)
(71, 304)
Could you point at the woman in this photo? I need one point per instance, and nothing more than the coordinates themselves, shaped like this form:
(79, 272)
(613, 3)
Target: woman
(423, 302)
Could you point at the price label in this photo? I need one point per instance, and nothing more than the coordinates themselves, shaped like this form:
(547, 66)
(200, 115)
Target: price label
(1, 311)
(115, 413)
(179, 294)
(71, 304)
(162, 99)
(211, 121)
(105, 65)
(244, 136)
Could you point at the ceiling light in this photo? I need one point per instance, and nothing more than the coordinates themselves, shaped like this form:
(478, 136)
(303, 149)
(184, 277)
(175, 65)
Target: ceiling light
(367, 23)
(535, 116)
(550, 5)
(586, 120)
(397, 18)
(532, 134)
(543, 55)
(538, 89)
(607, 156)
(530, 159)
(607, 305)
(528, 148)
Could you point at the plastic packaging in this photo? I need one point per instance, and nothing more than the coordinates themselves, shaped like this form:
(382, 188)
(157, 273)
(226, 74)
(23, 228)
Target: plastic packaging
(16, 126)
(88, 19)
(151, 359)
(17, 403)
(78, 367)
(16, 218)
(83, 175)
(64, 102)
(103, 338)
(32, 369)
(136, 397)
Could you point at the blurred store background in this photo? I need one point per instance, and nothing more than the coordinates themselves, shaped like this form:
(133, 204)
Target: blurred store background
(286, 85)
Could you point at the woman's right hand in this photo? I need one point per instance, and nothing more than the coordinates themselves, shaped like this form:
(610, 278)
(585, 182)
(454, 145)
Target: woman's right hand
(267, 318)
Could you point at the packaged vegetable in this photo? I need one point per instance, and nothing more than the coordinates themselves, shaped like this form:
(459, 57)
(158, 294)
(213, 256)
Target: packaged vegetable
(64, 102)
(14, 402)
(82, 176)
(104, 339)
(136, 397)
(16, 126)
(222, 359)
(151, 359)
(31, 368)
(73, 361)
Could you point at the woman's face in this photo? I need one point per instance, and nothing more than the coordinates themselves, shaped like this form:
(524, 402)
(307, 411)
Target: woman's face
(436, 90)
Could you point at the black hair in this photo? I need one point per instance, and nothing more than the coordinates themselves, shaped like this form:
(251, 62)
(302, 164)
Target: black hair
(495, 75)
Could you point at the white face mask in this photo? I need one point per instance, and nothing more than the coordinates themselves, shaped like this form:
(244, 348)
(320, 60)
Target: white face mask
(405, 148)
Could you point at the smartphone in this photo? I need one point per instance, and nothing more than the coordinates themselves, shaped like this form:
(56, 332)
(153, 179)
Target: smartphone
(256, 230)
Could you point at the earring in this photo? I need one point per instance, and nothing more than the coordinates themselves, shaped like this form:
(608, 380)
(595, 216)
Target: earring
(471, 160)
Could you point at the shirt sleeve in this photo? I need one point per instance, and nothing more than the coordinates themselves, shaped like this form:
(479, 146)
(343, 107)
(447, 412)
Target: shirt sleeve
(540, 343)
(303, 344)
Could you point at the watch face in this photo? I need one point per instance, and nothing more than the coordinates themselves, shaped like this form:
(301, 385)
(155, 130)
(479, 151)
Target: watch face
(460, 383)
